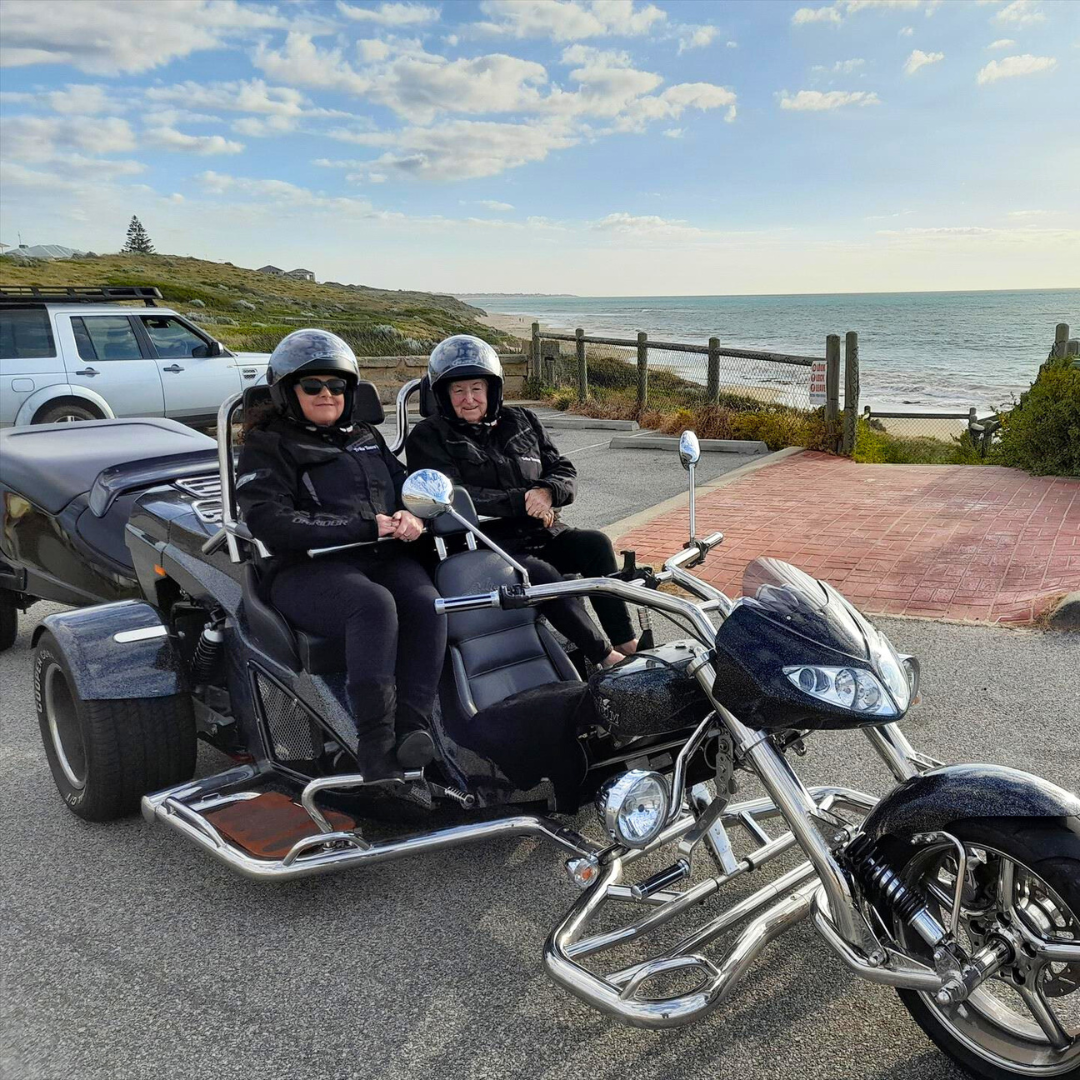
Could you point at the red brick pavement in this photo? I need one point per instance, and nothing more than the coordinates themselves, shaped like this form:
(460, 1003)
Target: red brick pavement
(983, 544)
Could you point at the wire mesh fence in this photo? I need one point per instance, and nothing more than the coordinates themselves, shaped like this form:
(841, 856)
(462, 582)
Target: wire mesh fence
(924, 438)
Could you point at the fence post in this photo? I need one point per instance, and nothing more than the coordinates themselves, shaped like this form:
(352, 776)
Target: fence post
(1061, 337)
(851, 390)
(534, 357)
(832, 379)
(642, 369)
(712, 379)
(582, 369)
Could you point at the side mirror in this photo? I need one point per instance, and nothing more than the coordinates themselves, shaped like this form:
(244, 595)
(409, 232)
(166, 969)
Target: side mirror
(216, 349)
(689, 449)
(428, 493)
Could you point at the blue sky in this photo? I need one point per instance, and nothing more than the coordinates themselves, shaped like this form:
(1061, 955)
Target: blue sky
(607, 147)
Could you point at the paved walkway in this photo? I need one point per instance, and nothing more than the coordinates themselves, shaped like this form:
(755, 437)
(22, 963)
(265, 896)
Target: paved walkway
(954, 542)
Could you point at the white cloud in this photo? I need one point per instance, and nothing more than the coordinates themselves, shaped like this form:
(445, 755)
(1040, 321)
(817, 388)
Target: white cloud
(907, 31)
(280, 195)
(841, 67)
(1020, 13)
(697, 37)
(675, 133)
(490, 204)
(170, 139)
(372, 50)
(732, 44)
(646, 227)
(589, 56)
(80, 100)
(569, 20)
(1031, 213)
(818, 101)
(461, 149)
(1013, 66)
(818, 14)
(391, 14)
(1001, 43)
(101, 37)
(919, 59)
(42, 138)
(302, 63)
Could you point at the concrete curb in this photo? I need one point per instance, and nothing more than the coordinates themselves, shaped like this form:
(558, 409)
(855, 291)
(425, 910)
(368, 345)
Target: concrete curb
(580, 423)
(1066, 615)
(679, 502)
(669, 442)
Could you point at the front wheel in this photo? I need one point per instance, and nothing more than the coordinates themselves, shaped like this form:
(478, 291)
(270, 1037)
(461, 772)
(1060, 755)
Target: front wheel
(105, 755)
(1022, 885)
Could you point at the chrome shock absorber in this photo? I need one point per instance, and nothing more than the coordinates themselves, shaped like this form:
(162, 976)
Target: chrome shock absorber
(883, 886)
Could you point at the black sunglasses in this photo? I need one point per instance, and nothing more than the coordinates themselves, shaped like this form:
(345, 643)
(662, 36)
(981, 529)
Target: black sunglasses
(314, 387)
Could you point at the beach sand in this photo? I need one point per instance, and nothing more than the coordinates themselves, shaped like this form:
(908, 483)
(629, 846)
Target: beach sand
(518, 325)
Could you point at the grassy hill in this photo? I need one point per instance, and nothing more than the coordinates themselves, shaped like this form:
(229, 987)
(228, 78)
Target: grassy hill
(251, 311)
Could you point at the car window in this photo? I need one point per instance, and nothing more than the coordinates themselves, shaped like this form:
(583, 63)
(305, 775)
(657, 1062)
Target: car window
(25, 334)
(171, 337)
(105, 337)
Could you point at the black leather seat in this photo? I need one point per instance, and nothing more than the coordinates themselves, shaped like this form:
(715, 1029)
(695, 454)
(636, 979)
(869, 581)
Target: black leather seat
(493, 654)
(292, 648)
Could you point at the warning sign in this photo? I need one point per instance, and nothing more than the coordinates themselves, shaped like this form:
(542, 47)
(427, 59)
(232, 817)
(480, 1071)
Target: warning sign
(817, 383)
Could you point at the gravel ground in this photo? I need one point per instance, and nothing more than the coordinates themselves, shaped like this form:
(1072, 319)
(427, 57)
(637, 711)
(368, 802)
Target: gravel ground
(128, 954)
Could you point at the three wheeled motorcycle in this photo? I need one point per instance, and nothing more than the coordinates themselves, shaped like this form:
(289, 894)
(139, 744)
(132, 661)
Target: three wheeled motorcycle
(960, 888)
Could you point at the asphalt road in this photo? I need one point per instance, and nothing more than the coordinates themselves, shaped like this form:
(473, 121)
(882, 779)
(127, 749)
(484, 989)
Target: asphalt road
(128, 954)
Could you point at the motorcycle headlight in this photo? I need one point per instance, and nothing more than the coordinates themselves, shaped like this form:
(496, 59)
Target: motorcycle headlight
(633, 807)
(848, 687)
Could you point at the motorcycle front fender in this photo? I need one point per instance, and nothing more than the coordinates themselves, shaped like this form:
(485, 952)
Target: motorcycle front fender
(938, 800)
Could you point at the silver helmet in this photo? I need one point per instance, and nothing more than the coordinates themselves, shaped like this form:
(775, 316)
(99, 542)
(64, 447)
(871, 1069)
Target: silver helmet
(465, 357)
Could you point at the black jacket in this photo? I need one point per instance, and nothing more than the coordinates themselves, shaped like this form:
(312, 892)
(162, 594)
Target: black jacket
(497, 464)
(300, 489)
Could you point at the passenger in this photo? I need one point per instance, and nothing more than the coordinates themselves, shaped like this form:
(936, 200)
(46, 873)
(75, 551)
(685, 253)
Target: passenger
(503, 457)
(309, 476)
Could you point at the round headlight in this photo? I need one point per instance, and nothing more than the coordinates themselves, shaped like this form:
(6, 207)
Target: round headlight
(633, 807)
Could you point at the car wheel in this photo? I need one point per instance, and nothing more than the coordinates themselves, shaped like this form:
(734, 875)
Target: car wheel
(66, 412)
(105, 755)
(9, 620)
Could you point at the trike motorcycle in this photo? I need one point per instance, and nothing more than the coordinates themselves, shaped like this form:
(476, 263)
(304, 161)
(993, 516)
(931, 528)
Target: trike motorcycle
(960, 887)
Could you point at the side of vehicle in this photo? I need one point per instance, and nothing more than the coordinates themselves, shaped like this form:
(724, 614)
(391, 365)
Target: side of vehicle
(83, 357)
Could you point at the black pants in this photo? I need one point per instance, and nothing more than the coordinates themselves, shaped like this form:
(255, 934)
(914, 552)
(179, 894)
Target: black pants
(588, 552)
(394, 642)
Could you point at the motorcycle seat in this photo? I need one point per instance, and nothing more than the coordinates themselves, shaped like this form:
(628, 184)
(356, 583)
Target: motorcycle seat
(51, 464)
(292, 648)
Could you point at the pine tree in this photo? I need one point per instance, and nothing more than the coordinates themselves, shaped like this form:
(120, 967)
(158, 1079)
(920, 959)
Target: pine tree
(138, 239)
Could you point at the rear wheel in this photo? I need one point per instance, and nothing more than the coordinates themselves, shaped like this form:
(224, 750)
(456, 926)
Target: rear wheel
(66, 412)
(9, 620)
(1022, 886)
(105, 755)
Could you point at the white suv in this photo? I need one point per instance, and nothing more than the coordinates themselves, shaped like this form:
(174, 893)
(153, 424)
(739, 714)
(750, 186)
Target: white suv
(77, 354)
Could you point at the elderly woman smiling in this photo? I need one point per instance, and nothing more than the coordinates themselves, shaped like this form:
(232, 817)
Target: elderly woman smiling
(514, 473)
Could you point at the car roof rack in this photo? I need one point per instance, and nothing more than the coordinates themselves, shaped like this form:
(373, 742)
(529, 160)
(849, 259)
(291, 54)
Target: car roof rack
(21, 295)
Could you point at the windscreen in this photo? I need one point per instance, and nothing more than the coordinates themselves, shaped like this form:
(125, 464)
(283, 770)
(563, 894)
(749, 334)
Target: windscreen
(785, 594)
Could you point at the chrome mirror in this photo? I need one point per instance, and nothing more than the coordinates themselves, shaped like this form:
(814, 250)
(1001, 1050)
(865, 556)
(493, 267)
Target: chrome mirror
(689, 449)
(428, 493)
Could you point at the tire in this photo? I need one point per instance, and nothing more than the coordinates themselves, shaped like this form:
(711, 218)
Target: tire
(67, 410)
(980, 1033)
(9, 620)
(105, 755)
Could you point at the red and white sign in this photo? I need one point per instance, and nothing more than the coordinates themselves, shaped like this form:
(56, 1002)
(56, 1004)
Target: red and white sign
(817, 383)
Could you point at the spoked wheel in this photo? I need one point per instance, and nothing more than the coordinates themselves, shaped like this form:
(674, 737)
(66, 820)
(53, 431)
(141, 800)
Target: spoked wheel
(1022, 887)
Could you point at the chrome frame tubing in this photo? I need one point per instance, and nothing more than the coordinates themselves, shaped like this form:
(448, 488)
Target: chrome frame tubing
(785, 900)
(327, 851)
(225, 471)
(401, 408)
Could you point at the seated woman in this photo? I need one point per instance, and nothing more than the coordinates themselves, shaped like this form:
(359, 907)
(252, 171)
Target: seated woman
(510, 467)
(308, 476)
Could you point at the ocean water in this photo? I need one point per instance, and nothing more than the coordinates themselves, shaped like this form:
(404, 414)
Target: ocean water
(918, 352)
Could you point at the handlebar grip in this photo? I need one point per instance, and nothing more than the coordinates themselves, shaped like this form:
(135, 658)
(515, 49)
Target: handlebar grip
(477, 602)
(713, 539)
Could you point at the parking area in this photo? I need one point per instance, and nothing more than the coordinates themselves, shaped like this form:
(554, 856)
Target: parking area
(128, 955)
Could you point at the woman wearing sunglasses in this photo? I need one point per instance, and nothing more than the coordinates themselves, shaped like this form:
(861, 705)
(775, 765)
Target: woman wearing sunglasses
(309, 476)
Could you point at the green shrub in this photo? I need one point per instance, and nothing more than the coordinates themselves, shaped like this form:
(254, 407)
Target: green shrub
(874, 445)
(1042, 432)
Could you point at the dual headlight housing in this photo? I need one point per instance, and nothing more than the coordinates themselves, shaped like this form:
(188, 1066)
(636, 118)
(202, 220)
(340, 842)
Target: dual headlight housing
(633, 807)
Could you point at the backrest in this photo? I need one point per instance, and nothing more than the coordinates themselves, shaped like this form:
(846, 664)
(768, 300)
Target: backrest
(495, 654)
(428, 405)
